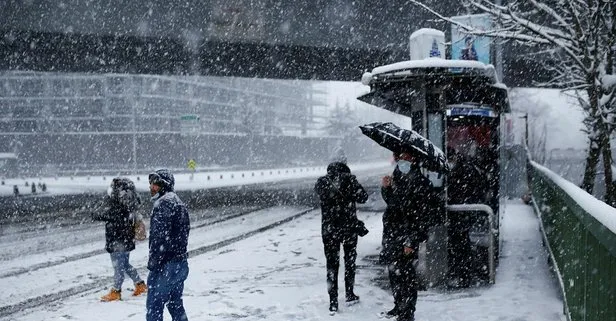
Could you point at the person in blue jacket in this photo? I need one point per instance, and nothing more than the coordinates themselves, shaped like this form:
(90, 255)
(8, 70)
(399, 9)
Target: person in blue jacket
(168, 264)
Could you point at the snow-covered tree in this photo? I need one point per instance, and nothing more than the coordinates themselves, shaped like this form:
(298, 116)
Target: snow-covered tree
(342, 120)
(579, 37)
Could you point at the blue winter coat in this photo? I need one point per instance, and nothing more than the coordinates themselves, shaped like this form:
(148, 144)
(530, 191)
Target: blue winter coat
(169, 229)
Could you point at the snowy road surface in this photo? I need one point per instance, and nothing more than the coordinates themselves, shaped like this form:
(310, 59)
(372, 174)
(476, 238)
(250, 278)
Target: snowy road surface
(280, 275)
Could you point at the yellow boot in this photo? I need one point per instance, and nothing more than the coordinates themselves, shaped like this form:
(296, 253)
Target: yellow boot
(113, 295)
(140, 288)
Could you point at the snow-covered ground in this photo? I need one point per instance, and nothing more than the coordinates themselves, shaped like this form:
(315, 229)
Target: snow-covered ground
(279, 274)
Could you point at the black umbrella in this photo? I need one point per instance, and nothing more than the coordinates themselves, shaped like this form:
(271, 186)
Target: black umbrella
(398, 139)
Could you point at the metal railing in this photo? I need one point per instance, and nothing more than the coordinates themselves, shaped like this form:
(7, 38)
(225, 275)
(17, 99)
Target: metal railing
(581, 247)
(491, 233)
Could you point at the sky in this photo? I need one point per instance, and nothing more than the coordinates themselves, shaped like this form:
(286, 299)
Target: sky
(557, 111)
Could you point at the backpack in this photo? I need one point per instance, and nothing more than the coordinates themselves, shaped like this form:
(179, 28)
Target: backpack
(125, 193)
(139, 228)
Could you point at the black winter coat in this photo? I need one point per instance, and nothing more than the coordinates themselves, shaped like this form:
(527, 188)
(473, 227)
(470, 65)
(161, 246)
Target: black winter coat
(338, 191)
(466, 184)
(119, 231)
(410, 200)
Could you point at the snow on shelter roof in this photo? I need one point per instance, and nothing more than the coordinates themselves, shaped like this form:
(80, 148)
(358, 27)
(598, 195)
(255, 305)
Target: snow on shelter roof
(404, 68)
(427, 31)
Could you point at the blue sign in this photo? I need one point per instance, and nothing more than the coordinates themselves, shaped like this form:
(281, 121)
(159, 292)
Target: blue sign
(461, 111)
(434, 52)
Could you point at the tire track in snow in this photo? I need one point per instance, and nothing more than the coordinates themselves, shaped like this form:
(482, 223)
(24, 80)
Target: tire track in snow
(85, 255)
(103, 281)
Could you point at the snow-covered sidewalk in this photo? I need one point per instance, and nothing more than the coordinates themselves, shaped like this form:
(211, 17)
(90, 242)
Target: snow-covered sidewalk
(280, 275)
(525, 289)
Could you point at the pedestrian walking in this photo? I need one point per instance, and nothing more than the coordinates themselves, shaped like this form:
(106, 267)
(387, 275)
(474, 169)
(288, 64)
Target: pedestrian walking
(338, 192)
(168, 259)
(119, 217)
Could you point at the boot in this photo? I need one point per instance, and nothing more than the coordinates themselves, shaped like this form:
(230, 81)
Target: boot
(352, 299)
(140, 288)
(392, 313)
(333, 307)
(113, 295)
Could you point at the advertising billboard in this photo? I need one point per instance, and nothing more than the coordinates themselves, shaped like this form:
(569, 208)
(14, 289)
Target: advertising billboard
(470, 47)
(426, 42)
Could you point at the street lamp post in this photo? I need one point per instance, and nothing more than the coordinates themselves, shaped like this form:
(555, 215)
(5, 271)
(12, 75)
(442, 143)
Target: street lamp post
(525, 117)
(528, 156)
(134, 99)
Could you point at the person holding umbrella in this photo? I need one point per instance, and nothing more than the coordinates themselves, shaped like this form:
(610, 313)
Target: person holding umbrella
(411, 201)
(409, 197)
(399, 139)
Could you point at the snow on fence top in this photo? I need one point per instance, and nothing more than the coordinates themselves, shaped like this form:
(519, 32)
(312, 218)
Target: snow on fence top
(403, 68)
(604, 213)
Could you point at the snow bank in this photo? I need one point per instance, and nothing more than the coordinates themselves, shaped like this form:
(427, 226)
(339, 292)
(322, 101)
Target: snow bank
(280, 275)
(183, 181)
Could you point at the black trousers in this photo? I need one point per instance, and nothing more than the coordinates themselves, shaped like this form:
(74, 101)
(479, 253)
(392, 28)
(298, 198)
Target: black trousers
(331, 246)
(404, 284)
(459, 249)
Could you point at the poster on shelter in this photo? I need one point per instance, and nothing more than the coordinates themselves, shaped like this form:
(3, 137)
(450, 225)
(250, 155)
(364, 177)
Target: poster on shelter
(470, 47)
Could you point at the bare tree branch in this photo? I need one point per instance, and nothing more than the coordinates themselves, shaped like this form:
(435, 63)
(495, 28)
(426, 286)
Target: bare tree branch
(582, 37)
(502, 33)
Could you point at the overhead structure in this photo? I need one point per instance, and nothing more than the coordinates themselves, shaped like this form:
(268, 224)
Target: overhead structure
(457, 105)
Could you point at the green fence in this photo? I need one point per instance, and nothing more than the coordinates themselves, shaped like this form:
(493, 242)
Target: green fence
(582, 245)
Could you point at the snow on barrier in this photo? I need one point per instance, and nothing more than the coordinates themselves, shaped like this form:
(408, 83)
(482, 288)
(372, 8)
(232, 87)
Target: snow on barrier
(69, 196)
(580, 233)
